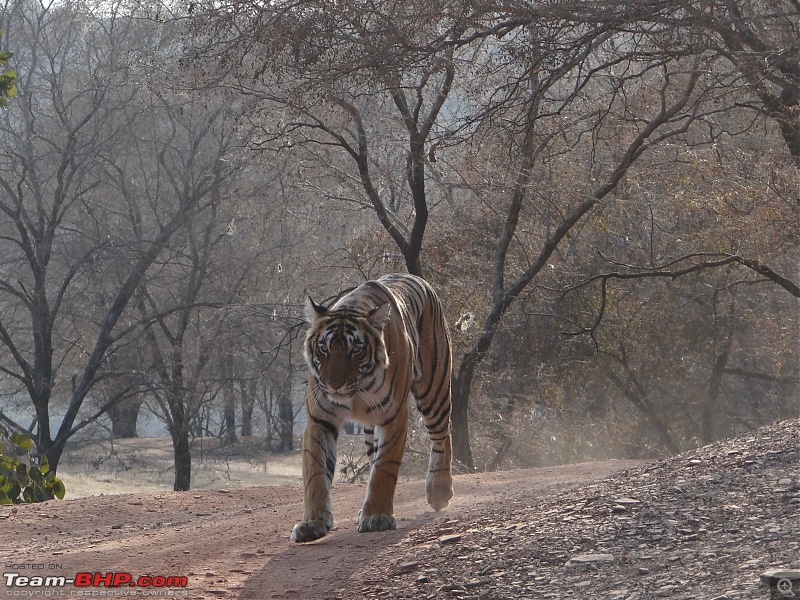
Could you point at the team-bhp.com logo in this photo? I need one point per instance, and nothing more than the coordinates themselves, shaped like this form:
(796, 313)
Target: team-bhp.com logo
(95, 580)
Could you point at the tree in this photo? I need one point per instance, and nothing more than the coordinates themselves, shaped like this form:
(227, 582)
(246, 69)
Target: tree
(52, 136)
(665, 327)
(63, 143)
(351, 101)
(622, 36)
(759, 42)
(595, 85)
(181, 154)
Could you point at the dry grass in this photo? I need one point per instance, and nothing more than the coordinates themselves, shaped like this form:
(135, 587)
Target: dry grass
(146, 465)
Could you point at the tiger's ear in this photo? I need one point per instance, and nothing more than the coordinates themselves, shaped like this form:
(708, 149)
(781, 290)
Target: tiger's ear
(379, 316)
(314, 311)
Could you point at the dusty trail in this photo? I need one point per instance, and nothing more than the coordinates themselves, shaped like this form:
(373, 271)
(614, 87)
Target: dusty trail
(235, 544)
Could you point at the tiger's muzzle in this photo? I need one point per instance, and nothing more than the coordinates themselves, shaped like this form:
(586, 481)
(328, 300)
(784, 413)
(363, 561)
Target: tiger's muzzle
(338, 371)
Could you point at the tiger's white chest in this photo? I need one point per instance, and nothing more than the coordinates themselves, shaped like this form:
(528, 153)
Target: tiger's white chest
(365, 408)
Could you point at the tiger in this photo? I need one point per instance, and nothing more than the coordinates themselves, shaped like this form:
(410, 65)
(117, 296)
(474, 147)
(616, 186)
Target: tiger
(377, 344)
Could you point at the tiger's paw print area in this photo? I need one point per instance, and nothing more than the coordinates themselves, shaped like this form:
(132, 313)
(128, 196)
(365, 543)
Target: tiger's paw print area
(377, 522)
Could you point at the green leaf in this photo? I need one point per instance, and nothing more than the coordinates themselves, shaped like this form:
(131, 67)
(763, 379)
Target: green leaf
(22, 441)
(13, 491)
(36, 476)
(22, 473)
(59, 491)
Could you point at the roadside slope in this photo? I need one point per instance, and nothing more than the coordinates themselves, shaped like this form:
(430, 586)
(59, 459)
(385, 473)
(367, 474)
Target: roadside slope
(705, 524)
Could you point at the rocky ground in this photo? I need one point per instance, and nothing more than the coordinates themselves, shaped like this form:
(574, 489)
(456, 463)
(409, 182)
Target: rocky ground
(705, 524)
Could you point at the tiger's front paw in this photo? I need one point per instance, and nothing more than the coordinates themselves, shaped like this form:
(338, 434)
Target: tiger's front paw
(308, 531)
(378, 522)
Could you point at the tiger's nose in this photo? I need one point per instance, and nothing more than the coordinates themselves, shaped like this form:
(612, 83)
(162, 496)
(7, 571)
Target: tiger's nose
(336, 377)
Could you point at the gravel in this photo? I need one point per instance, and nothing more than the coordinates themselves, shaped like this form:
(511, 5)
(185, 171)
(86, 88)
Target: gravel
(704, 524)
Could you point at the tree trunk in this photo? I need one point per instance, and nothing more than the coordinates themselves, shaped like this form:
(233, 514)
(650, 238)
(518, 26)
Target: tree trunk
(269, 409)
(633, 392)
(248, 395)
(714, 383)
(462, 384)
(229, 434)
(179, 430)
(285, 423)
(228, 398)
(183, 461)
(124, 416)
(53, 451)
(460, 425)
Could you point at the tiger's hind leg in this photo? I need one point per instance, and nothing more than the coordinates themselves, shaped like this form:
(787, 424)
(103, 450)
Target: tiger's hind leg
(439, 482)
(432, 392)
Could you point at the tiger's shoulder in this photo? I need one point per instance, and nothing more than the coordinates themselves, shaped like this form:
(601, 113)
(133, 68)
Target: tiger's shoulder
(388, 288)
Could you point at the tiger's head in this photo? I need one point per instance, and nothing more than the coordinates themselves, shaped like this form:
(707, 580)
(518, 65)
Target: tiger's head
(344, 348)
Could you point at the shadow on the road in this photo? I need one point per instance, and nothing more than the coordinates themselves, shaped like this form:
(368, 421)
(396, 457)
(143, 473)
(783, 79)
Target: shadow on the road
(321, 569)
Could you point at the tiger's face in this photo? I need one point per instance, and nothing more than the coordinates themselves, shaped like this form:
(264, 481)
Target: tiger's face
(344, 348)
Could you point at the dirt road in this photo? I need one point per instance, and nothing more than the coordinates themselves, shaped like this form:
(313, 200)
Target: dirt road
(234, 544)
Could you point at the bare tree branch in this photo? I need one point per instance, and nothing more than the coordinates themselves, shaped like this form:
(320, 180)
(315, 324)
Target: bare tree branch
(665, 271)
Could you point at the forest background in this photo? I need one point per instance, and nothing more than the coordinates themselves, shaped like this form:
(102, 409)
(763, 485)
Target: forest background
(604, 194)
